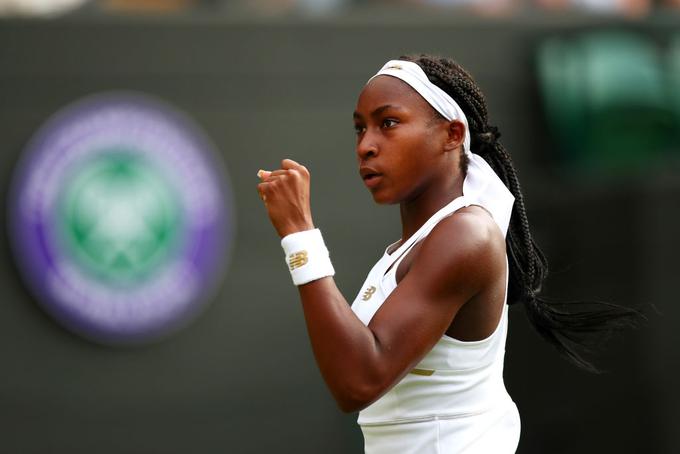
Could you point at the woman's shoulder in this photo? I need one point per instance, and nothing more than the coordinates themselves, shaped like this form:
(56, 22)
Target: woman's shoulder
(470, 228)
(467, 244)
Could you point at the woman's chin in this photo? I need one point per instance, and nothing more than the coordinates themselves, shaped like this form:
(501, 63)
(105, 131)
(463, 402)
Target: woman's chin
(383, 199)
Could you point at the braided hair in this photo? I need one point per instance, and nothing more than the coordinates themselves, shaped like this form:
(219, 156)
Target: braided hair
(567, 326)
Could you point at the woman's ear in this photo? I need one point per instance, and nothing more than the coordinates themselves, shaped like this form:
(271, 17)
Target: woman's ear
(455, 135)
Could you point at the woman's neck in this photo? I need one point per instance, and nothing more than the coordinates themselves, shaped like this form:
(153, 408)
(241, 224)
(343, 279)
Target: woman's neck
(416, 211)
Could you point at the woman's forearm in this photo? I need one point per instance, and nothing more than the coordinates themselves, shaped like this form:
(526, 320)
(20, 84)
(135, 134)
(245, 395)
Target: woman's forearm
(346, 351)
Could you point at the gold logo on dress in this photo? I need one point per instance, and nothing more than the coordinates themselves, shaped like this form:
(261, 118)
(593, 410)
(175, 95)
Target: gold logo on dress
(297, 259)
(423, 372)
(368, 293)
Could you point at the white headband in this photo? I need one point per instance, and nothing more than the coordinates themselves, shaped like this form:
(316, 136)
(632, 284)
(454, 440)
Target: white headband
(481, 186)
(413, 75)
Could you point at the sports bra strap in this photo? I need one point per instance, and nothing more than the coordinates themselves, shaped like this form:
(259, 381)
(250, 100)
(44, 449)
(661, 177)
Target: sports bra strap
(425, 229)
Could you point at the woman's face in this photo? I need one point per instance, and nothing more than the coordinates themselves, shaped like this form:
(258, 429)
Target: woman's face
(402, 143)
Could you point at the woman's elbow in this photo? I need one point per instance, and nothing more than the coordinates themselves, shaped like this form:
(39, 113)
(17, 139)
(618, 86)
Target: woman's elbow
(356, 398)
(350, 406)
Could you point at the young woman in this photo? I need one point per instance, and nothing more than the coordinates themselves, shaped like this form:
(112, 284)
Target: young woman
(420, 352)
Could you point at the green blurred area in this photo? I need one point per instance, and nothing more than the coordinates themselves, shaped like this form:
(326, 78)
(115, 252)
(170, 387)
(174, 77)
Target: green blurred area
(611, 99)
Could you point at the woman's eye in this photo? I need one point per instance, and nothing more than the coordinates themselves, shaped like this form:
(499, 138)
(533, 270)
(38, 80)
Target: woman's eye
(389, 122)
(359, 129)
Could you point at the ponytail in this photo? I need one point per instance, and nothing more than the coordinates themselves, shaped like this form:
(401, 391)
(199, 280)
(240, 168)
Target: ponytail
(568, 326)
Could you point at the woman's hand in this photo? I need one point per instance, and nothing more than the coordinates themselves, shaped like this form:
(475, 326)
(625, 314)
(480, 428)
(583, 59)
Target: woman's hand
(285, 193)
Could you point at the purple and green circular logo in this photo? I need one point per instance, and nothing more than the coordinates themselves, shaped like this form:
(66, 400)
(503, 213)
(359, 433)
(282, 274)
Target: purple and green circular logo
(121, 217)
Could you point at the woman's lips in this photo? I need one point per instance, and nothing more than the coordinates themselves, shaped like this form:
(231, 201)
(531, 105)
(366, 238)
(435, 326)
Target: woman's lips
(370, 176)
(372, 179)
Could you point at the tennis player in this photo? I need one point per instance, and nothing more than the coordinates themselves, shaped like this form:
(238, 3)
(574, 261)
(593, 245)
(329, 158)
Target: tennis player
(420, 351)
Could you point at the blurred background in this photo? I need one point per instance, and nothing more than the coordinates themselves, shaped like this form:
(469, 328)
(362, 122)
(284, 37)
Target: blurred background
(586, 94)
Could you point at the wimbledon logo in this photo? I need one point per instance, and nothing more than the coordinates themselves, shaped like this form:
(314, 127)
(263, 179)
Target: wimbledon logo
(121, 218)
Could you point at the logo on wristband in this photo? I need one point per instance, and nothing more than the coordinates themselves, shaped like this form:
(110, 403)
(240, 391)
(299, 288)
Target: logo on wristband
(297, 260)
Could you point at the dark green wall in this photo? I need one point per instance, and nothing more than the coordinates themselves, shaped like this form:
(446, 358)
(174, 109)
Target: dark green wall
(242, 378)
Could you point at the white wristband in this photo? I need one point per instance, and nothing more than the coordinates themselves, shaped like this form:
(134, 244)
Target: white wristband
(307, 256)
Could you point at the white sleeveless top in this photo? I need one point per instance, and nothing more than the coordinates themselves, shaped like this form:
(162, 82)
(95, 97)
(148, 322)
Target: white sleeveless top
(459, 383)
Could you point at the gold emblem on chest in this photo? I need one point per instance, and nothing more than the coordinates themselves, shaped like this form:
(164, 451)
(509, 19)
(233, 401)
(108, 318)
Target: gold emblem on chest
(368, 293)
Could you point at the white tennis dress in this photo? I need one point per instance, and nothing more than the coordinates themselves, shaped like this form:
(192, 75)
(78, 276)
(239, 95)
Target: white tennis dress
(454, 401)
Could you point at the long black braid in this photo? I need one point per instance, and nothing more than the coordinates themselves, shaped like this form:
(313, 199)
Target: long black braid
(566, 329)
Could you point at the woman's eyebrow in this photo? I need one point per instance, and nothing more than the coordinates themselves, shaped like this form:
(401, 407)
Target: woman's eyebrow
(377, 111)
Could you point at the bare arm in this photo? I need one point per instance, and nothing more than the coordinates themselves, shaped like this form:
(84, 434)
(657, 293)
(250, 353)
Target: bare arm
(360, 363)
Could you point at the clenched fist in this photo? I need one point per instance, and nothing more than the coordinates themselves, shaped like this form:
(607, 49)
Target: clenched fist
(285, 193)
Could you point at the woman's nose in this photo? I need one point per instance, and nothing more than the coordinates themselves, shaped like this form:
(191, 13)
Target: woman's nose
(366, 147)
